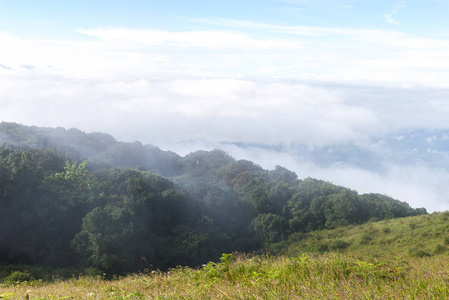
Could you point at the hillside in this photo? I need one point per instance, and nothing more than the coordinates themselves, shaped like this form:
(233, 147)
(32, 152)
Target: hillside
(405, 259)
(75, 200)
(419, 236)
(100, 149)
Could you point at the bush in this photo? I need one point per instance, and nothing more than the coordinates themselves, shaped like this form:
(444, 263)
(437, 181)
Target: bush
(366, 238)
(445, 215)
(318, 246)
(339, 245)
(446, 240)
(419, 253)
(18, 277)
(439, 249)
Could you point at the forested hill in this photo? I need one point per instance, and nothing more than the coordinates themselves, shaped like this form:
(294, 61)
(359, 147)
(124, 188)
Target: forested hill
(99, 148)
(72, 199)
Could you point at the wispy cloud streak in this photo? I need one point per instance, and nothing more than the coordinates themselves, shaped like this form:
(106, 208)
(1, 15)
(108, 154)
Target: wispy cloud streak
(397, 9)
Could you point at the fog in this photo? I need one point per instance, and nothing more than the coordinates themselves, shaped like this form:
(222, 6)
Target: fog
(419, 186)
(193, 114)
(258, 97)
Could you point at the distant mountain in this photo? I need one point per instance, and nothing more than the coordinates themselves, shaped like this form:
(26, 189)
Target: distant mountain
(430, 147)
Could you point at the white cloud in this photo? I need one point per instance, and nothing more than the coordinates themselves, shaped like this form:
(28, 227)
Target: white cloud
(212, 109)
(418, 185)
(234, 110)
(390, 19)
(202, 39)
(399, 7)
(249, 50)
(396, 9)
(129, 75)
(256, 83)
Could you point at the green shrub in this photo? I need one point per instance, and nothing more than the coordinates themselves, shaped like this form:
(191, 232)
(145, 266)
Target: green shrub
(366, 238)
(419, 253)
(18, 277)
(297, 237)
(439, 249)
(446, 240)
(320, 246)
(338, 245)
(386, 229)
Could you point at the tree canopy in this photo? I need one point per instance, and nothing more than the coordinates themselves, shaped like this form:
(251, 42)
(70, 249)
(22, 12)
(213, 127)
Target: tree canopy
(73, 199)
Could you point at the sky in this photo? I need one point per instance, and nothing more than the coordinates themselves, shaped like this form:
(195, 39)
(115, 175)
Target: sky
(189, 75)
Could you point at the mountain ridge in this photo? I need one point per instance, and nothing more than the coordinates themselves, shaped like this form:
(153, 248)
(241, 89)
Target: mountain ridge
(73, 198)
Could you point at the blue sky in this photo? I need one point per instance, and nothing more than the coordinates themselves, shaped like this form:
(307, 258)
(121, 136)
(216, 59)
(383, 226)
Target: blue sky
(59, 18)
(188, 75)
(300, 39)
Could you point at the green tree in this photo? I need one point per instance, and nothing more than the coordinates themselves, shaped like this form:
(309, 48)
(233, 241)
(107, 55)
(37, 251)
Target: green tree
(343, 209)
(108, 239)
(270, 227)
(75, 185)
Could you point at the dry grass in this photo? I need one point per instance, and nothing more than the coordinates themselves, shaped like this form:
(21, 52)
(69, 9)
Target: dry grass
(424, 235)
(364, 266)
(327, 276)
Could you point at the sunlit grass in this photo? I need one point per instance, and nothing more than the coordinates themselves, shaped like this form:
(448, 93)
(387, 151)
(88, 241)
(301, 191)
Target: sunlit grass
(327, 276)
(417, 236)
(396, 259)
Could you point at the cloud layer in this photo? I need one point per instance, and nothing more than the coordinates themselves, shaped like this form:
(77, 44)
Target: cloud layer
(239, 82)
(234, 48)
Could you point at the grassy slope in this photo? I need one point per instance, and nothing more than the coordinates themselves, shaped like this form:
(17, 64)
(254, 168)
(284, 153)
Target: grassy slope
(365, 266)
(418, 236)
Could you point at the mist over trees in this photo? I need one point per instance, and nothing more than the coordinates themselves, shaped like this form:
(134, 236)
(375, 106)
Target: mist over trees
(68, 199)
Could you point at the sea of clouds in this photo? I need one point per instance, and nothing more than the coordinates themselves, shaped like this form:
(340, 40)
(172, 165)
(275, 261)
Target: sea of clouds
(257, 91)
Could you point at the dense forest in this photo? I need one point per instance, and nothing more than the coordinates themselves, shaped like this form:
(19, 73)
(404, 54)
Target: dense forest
(70, 199)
